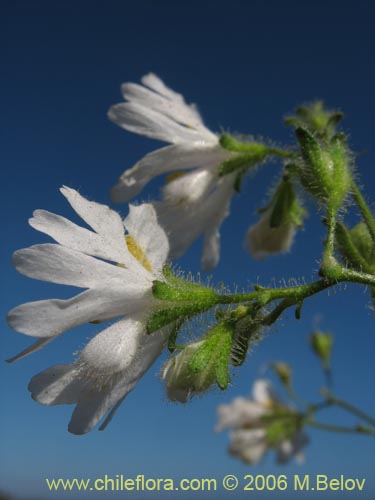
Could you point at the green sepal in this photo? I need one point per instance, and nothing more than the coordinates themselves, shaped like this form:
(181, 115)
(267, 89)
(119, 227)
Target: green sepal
(170, 277)
(173, 335)
(211, 360)
(255, 149)
(162, 317)
(284, 198)
(241, 163)
(314, 178)
(238, 182)
(248, 331)
(286, 207)
(282, 425)
(192, 293)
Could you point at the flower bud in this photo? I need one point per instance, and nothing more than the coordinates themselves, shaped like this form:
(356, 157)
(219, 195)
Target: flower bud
(180, 381)
(275, 231)
(322, 344)
(245, 154)
(283, 372)
(316, 118)
(325, 172)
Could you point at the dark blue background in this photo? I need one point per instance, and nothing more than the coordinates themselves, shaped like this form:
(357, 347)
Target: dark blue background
(246, 64)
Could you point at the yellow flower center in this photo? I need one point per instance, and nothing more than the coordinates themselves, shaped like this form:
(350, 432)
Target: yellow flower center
(137, 252)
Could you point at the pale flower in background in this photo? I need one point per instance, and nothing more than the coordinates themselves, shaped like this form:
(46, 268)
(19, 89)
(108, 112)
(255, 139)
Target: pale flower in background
(250, 430)
(116, 268)
(194, 202)
(262, 240)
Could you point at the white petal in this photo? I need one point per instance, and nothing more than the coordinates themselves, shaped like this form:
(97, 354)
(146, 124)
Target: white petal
(48, 318)
(292, 448)
(114, 349)
(211, 249)
(161, 161)
(102, 219)
(263, 393)
(77, 238)
(190, 187)
(111, 414)
(144, 228)
(211, 245)
(145, 121)
(155, 83)
(56, 385)
(91, 409)
(58, 264)
(241, 412)
(109, 368)
(185, 223)
(248, 445)
(176, 109)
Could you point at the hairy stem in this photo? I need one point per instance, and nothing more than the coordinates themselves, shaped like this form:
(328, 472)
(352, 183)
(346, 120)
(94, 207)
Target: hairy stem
(338, 428)
(348, 407)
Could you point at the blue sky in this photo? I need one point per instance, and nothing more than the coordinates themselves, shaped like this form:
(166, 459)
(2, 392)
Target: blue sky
(246, 64)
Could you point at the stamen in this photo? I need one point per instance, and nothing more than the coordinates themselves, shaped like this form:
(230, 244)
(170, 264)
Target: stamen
(137, 252)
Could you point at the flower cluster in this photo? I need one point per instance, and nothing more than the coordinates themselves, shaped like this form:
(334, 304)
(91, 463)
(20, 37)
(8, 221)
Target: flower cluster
(204, 169)
(120, 268)
(262, 423)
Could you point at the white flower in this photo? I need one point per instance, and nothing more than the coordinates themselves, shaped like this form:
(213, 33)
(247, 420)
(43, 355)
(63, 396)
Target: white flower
(194, 203)
(262, 240)
(249, 436)
(117, 270)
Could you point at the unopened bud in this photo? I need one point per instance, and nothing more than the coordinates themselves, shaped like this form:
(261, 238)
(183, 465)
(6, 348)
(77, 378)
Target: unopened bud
(284, 372)
(316, 118)
(274, 232)
(325, 173)
(322, 344)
